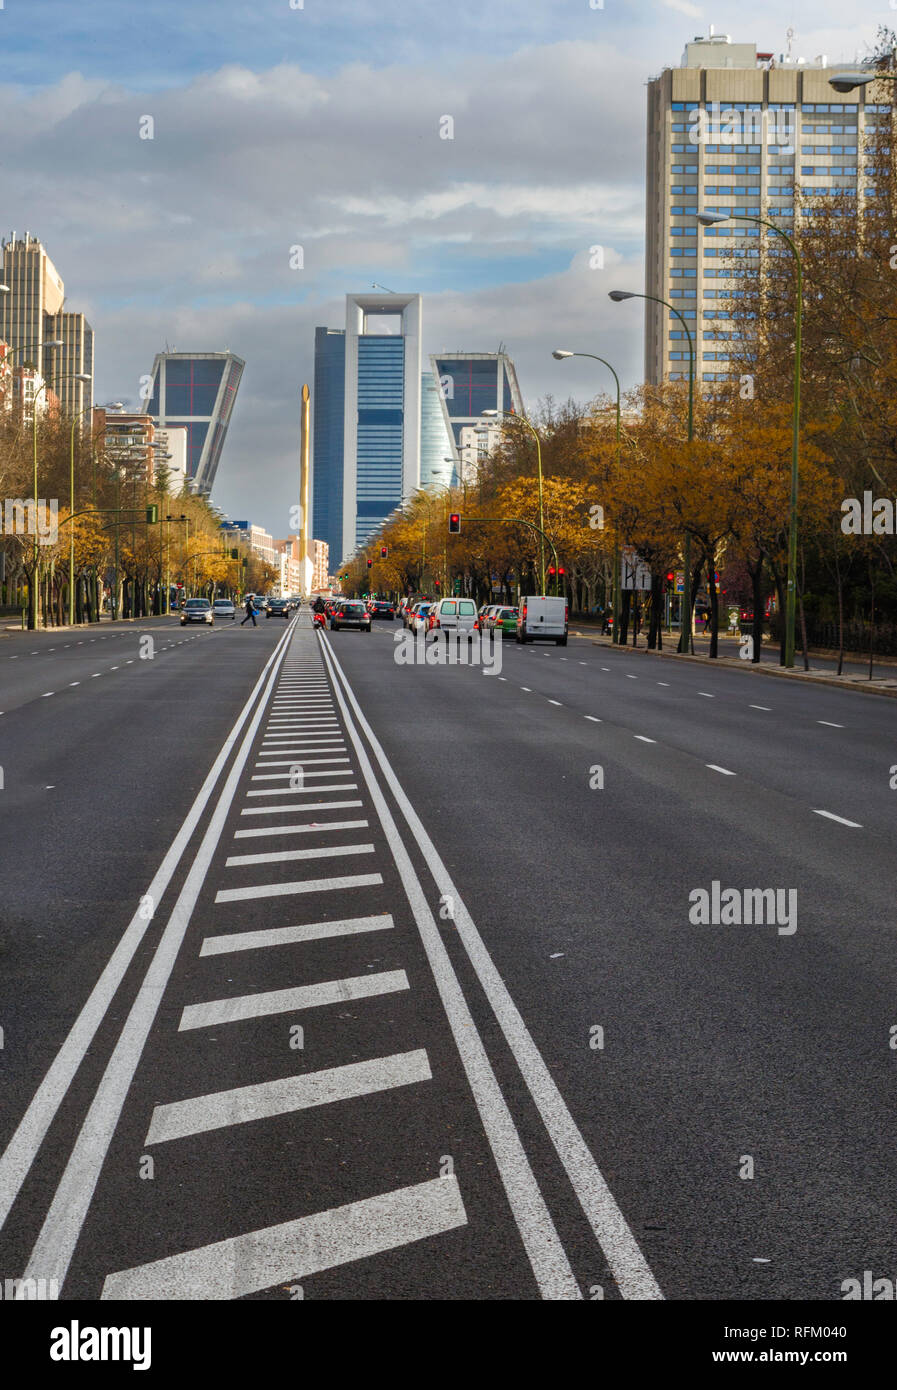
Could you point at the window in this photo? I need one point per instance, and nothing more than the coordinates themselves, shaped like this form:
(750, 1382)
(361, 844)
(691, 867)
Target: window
(466, 608)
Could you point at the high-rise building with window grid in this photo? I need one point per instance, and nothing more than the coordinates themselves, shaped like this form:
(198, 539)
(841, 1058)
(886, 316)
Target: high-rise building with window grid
(196, 391)
(32, 315)
(736, 131)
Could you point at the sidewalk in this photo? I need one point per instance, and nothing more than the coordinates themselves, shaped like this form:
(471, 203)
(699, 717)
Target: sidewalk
(850, 680)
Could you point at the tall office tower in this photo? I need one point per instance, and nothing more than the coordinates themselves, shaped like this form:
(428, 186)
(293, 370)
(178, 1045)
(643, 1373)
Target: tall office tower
(31, 315)
(382, 415)
(468, 384)
(196, 390)
(736, 131)
(75, 355)
(436, 453)
(328, 407)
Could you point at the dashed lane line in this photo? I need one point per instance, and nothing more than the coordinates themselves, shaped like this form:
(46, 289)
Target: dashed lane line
(830, 815)
(715, 767)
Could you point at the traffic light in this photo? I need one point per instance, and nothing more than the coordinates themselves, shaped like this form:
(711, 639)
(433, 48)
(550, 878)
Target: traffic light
(370, 562)
(670, 576)
(562, 571)
(235, 555)
(455, 524)
(552, 571)
(384, 551)
(152, 514)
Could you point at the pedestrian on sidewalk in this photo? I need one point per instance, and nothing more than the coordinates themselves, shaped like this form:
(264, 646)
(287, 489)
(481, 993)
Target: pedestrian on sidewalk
(250, 610)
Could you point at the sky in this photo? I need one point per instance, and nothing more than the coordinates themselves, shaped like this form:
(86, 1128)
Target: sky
(317, 124)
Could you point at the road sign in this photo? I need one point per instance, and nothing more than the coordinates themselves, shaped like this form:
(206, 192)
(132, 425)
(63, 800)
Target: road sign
(634, 573)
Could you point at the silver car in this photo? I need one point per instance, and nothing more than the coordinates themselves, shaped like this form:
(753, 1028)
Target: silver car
(223, 608)
(197, 610)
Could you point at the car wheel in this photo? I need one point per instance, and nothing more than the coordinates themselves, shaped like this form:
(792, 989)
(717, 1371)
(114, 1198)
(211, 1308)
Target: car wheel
(561, 642)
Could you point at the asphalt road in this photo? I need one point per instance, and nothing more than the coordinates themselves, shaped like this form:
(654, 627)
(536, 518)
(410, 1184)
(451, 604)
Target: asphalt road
(402, 999)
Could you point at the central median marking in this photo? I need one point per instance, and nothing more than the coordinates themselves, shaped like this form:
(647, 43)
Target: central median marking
(310, 885)
(282, 1001)
(292, 936)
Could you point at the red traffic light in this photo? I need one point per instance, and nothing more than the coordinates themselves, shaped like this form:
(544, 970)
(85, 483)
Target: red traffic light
(551, 570)
(670, 577)
(562, 571)
(383, 552)
(454, 523)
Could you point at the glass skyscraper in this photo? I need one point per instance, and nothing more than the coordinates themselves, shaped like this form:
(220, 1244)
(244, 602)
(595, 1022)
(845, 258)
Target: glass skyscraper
(196, 391)
(469, 383)
(328, 405)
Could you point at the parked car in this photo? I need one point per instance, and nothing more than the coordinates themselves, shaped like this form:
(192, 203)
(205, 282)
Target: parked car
(350, 613)
(197, 610)
(278, 608)
(543, 617)
(453, 615)
(223, 608)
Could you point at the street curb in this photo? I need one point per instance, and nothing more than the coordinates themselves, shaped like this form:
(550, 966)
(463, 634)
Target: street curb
(730, 664)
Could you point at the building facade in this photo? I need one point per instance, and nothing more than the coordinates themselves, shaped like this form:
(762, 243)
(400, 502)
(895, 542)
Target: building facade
(739, 132)
(196, 391)
(469, 383)
(32, 317)
(328, 409)
(321, 570)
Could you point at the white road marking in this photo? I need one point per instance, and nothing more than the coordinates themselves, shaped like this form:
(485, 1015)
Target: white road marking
(300, 806)
(278, 776)
(47, 693)
(283, 856)
(245, 1104)
(74, 683)
(583, 663)
(502, 678)
(554, 702)
(68, 1210)
(768, 708)
(706, 694)
(643, 739)
(527, 689)
(829, 815)
(297, 1249)
(829, 724)
(292, 936)
(715, 767)
(290, 762)
(666, 683)
(306, 885)
(631, 678)
(284, 1001)
(95, 674)
(593, 717)
(547, 1258)
(314, 828)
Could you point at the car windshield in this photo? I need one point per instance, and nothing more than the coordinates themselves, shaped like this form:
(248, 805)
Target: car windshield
(197, 603)
(353, 608)
(223, 603)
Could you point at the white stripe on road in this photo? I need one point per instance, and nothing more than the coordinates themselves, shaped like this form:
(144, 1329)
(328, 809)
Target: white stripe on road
(297, 1249)
(715, 767)
(300, 806)
(53, 1250)
(642, 739)
(285, 1001)
(768, 708)
(309, 885)
(554, 702)
(245, 1104)
(290, 762)
(593, 717)
(293, 936)
(666, 683)
(547, 1257)
(315, 828)
(829, 724)
(829, 815)
(286, 856)
(706, 694)
(281, 776)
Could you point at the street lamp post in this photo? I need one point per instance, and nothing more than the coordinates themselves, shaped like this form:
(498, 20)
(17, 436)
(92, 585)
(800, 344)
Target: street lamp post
(561, 355)
(708, 219)
(618, 296)
(494, 414)
(80, 376)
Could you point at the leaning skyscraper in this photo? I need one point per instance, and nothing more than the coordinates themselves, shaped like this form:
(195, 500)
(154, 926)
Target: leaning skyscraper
(196, 390)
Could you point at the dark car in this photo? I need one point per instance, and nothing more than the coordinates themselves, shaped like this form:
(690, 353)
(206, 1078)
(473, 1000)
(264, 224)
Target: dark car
(278, 608)
(380, 608)
(351, 613)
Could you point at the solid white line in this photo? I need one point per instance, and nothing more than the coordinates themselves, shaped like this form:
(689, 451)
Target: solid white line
(280, 810)
(289, 762)
(292, 936)
(715, 767)
(829, 815)
(307, 885)
(297, 1249)
(315, 828)
(53, 1250)
(280, 776)
(284, 1001)
(594, 718)
(245, 1104)
(546, 1254)
(829, 724)
(284, 856)
(643, 739)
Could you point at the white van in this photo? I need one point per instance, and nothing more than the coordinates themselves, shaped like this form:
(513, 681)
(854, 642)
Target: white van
(542, 616)
(453, 615)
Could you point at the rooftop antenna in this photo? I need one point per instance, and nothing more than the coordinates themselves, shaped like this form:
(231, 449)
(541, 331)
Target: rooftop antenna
(790, 36)
(383, 287)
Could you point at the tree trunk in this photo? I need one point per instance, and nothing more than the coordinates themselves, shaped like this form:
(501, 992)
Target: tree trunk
(714, 607)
